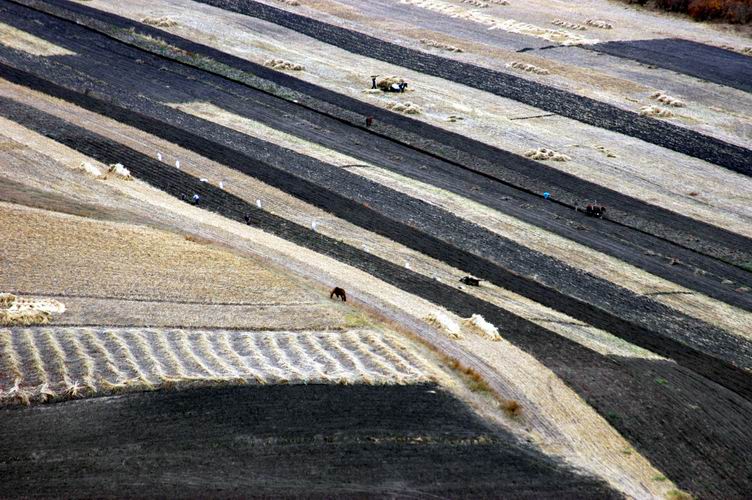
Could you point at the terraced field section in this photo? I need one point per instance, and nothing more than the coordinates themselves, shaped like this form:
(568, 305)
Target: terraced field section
(168, 251)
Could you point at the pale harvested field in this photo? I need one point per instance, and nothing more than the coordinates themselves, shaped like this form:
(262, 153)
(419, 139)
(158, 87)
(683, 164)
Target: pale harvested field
(495, 120)
(44, 364)
(20, 40)
(574, 439)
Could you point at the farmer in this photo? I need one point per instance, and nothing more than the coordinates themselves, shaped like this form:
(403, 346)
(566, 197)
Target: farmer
(196, 198)
(369, 121)
(373, 82)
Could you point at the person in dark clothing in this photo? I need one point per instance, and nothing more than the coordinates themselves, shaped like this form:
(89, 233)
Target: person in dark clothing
(369, 121)
(247, 219)
(373, 82)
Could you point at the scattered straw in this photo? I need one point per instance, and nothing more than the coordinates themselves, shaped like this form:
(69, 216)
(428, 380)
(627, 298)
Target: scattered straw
(546, 154)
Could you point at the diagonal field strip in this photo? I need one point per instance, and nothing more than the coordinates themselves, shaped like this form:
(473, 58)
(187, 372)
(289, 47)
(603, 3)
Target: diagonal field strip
(532, 93)
(127, 359)
(498, 166)
(713, 64)
(667, 343)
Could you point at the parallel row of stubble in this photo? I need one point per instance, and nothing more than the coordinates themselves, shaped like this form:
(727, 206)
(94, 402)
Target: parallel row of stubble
(42, 364)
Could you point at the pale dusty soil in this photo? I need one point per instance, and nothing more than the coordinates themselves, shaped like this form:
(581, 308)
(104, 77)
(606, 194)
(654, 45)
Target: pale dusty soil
(44, 364)
(603, 456)
(639, 169)
(20, 40)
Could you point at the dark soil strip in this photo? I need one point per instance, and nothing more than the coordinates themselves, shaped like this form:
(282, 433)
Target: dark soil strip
(684, 415)
(547, 98)
(683, 56)
(416, 156)
(312, 441)
(702, 347)
(530, 177)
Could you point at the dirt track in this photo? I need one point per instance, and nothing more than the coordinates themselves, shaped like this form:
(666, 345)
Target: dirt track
(309, 441)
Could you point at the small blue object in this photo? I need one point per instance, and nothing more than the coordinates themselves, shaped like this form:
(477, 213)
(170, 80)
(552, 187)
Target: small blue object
(546, 195)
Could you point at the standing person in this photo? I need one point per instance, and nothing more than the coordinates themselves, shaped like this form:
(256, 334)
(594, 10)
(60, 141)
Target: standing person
(196, 198)
(373, 82)
(369, 121)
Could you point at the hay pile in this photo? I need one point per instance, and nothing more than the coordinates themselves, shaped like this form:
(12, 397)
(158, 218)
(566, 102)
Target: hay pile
(478, 324)
(385, 84)
(24, 311)
(90, 169)
(667, 99)
(442, 321)
(440, 45)
(476, 3)
(530, 68)
(595, 23)
(407, 108)
(655, 111)
(568, 25)
(546, 154)
(161, 22)
(119, 170)
(281, 64)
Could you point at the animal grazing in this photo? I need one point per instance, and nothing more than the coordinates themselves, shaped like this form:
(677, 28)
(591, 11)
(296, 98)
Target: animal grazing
(595, 210)
(338, 293)
(470, 280)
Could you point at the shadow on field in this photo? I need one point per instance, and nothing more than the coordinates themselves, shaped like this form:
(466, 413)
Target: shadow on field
(315, 440)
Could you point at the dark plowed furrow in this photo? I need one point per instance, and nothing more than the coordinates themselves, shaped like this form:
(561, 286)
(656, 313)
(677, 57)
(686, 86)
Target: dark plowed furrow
(684, 56)
(304, 441)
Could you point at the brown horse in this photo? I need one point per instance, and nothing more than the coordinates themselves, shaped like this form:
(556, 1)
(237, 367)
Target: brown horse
(339, 293)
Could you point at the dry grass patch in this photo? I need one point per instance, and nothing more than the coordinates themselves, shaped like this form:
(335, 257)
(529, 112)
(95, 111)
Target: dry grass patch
(530, 68)
(160, 22)
(545, 154)
(283, 65)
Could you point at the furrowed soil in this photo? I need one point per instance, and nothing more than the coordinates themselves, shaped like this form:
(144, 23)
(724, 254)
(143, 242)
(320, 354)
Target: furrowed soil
(311, 441)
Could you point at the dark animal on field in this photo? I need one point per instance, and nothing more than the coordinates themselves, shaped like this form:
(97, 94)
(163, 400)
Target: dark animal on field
(470, 280)
(339, 293)
(595, 210)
